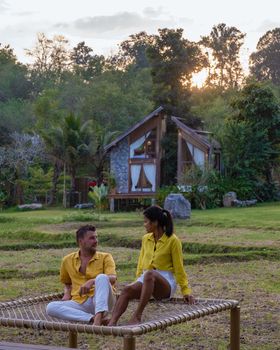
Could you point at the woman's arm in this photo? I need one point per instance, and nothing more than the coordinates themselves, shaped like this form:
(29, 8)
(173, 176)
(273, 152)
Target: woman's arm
(139, 269)
(179, 270)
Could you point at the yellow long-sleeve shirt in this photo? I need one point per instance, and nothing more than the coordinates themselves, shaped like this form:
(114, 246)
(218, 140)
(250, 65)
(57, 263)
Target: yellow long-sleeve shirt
(70, 274)
(165, 255)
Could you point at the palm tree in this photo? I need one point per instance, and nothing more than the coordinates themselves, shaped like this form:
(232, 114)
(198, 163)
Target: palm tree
(68, 145)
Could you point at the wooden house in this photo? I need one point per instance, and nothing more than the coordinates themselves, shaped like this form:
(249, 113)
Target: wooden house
(135, 156)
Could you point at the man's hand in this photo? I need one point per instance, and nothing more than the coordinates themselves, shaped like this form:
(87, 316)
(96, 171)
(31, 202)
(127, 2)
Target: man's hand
(189, 299)
(85, 288)
(66, 296)
(67, 292)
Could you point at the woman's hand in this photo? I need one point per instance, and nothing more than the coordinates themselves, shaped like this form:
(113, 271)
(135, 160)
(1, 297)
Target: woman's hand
(189, 299)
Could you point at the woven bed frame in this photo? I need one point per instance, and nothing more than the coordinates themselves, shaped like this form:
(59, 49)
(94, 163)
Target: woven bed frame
(30, 313)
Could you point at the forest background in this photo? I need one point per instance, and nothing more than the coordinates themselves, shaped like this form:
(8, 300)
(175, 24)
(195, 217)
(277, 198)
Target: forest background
(58, 113)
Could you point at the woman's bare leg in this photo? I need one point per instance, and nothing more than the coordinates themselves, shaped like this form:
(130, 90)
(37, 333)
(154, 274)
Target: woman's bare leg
(132, 291)
(154, 285)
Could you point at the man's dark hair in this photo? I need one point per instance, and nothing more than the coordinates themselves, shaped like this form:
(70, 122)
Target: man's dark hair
(80, 233)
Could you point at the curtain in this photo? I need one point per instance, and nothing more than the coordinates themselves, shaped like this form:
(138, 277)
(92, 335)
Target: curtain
(150, 172)
(198, 157)
(136, 144)
(197, 154)
(135, 173)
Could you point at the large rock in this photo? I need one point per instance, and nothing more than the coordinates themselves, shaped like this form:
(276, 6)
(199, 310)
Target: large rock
(32, 206)
(178, 206)
(84, 206)
(228, 199)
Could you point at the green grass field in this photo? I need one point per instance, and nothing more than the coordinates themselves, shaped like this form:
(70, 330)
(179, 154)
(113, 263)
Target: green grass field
(229, 253)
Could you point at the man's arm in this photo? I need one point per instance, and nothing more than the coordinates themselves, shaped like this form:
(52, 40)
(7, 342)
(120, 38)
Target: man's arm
(85, 288)
(67, 292)
(112, 279)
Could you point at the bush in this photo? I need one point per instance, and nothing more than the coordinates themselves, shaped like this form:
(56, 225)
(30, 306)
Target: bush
(163, 192)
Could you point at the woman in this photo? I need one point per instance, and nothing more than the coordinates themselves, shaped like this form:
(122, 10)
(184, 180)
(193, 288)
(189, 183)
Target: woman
(160, 267)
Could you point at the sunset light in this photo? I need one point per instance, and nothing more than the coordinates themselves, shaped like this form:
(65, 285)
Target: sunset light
(198, 79)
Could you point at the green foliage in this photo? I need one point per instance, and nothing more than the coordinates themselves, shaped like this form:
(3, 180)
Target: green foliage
(246, 151)
(264, 62)
(213, 107)
(225, 43)
(256, 126)
(37, 184)
(173, 59)
(163, 192)
(118, 99)
(3, 198)
(13, 76)
(16, 115)
(203, 187)
(133, 52)
(98, 195)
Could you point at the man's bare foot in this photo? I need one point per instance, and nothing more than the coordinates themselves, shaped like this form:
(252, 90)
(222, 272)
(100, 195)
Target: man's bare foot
(105, 321)
(97, 319)
(111, 323)
(134, 320)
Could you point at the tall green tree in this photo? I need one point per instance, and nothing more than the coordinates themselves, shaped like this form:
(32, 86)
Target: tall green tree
(133, 51)
(85, 63)
(173, 60)
(14, 81)
(257, 107)
(265, 61)
(224, 43)
(51, 59)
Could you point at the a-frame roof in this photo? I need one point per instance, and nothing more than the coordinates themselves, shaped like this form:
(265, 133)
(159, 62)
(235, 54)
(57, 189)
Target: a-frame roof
(134, 127)
(196, 134)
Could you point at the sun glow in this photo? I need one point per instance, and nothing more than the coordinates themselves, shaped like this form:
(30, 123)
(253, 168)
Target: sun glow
(198, 79)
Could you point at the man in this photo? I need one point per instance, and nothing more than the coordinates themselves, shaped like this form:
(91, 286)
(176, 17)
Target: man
(88, 277)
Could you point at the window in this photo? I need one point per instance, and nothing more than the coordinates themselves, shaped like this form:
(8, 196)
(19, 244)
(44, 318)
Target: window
(145, 146)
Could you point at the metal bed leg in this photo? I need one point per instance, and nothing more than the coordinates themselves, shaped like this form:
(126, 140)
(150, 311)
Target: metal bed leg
(235, 328)
(129, 343)
(73, 343)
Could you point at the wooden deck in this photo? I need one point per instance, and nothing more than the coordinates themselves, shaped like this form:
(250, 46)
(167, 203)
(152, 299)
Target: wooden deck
(134, 195)
(130, 201)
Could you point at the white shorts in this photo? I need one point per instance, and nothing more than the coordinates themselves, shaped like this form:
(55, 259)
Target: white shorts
(168, 275)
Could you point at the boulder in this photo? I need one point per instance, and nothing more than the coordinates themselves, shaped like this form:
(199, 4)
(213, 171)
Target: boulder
(32, 206)
(84, 206)
(228, 199)
(246, 203)
(178, 206)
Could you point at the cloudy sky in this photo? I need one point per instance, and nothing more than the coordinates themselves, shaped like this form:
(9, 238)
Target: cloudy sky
(104, 24)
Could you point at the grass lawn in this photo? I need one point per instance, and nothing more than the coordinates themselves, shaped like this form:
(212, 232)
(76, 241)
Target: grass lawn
(229, 253)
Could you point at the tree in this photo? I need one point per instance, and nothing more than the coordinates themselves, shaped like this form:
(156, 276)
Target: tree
(173, 60)
(133, 51)
(255, 127)
(51, 60)
(265, 62)
(224, 43)
(117, 99)
(13, 76)
(85, 63)
(22, 151)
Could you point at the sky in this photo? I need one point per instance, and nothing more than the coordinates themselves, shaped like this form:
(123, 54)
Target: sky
(104, 24)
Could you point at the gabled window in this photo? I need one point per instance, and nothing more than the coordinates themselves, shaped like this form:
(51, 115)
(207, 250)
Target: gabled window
(145, 146)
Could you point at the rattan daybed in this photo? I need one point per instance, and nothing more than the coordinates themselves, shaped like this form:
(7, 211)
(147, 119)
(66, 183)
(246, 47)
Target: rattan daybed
(30, 313)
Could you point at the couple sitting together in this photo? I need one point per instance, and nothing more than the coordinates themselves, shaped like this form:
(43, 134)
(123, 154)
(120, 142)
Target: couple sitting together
(89, 276)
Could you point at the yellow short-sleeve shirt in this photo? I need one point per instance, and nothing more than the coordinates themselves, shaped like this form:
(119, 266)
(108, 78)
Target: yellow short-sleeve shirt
(70, 274)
